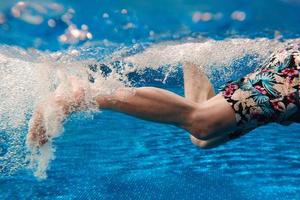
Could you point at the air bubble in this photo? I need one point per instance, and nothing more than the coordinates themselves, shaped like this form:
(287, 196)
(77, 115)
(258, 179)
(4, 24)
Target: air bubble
(238, 15)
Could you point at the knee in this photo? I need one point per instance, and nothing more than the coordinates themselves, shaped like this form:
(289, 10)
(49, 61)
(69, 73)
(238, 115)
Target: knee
(203, 144)
(199, 127)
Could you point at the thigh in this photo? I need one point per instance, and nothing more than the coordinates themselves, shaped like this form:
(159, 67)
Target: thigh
(213, 118)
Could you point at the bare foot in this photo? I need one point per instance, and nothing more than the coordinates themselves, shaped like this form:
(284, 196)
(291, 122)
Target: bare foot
(37, 131)
(197, 86)
(64, 100)
(79, 88)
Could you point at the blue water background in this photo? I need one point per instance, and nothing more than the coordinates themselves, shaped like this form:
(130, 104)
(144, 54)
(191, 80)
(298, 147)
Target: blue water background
(115, 156)
(169, 19)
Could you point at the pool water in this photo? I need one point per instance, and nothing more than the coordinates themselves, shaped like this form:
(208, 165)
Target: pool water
(109, 155)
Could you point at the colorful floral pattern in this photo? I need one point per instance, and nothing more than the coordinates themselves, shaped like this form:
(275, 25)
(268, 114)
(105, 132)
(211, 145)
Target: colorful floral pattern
(269, 94)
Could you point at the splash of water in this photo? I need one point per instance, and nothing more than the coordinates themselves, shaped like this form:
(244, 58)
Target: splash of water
(208, 54)
(28, 77)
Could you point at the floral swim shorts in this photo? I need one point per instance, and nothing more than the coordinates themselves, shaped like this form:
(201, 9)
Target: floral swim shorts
(269, 94)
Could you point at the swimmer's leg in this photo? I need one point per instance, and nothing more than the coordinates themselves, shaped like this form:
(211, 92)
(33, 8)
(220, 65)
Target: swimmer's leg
(147, 103)
(203, 121)
(157, 105)
(198, 88)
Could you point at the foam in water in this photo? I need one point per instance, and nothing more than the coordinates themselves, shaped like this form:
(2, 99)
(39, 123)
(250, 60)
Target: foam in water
(28, 77)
